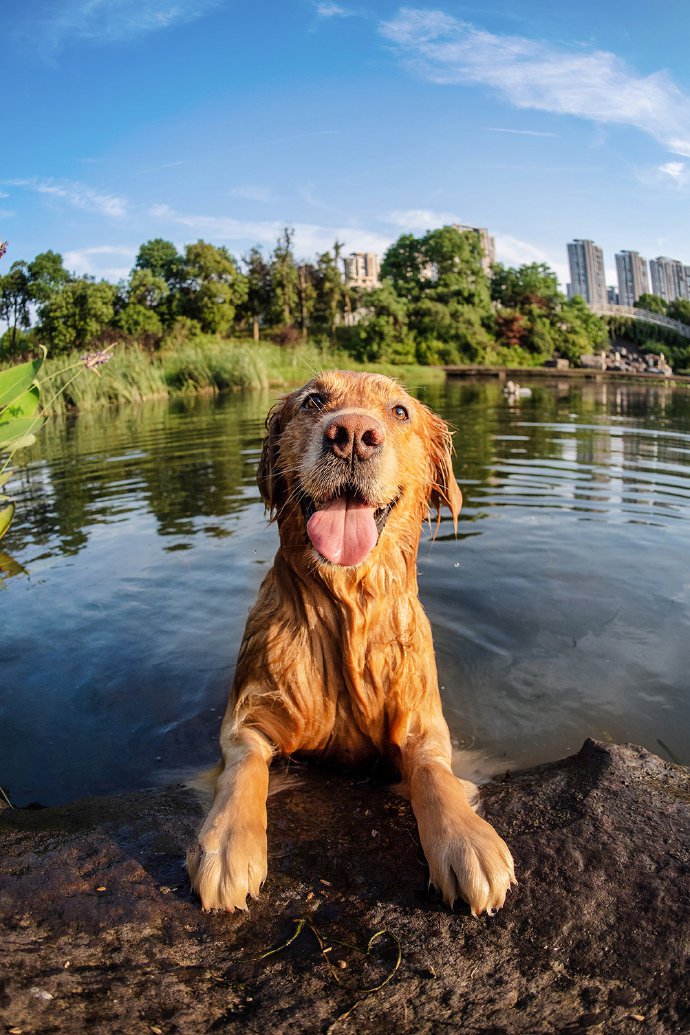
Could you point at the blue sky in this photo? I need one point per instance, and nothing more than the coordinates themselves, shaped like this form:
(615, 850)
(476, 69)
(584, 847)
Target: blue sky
(131, 119)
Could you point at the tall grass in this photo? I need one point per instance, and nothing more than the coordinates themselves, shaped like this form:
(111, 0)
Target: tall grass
(206, 364)
(213, 366)
(130, 376)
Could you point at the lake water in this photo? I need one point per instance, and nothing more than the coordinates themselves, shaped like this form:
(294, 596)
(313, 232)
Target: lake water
(561, 611)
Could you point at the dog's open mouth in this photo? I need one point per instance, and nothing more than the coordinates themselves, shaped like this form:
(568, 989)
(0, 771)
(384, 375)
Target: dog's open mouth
(346, 528)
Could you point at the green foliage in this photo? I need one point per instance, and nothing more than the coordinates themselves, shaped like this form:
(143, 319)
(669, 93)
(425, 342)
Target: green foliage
(258, 302)
(327, 297)
(534, 316)
(652, 303)
(579, 331)
(15, 296)
(183, 330)
(530, 285)
(47, 275)
(161, 259)
(650, 337)
(435, 305)
(444, 266)
(213, 287)
(679, 310)
(15, 343)
(19, 419)
(76, 314)
(131, 375)
(213, 367)
(139, 322)
(403, 265)
(284, 280)
(383, 332)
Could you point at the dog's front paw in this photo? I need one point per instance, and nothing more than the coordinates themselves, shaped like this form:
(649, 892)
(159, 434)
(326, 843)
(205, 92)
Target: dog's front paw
(227, 865)
(467, 858)
(473, 863)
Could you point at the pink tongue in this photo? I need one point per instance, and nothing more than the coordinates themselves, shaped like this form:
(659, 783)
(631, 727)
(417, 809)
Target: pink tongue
(344, 531)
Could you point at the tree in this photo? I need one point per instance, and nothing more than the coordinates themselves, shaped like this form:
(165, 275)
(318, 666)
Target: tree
(213, 287)
(284, 280)
(453, 271)
(679, 309)
(15, 296)
(47, 275)
(652, 303)
(578, 330)
(257, 305)
(530, 285)
(329, 294)
(444, 265)
(145, 288)
(306, 295)
(403, 266)
(162, 259)
(382, 333)
(72, 317)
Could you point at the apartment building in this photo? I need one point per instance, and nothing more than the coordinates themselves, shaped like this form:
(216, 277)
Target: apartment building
(587, 273)
(669, 279)
(633, 278)
(362, 269)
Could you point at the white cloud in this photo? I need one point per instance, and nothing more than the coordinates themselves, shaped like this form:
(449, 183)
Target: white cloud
(310, 238)
(521, 132)
(77, 194)
(420, 219)
(329, 10)
(89, 261)
(60, 22)
(676, 171)
(154, 168)
(511, 251)
(6, 213)
(253, 192)
(590, 84)
(671, 176)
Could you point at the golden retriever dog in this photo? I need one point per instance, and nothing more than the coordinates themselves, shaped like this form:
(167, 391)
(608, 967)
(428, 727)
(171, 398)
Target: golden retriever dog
(337, 660)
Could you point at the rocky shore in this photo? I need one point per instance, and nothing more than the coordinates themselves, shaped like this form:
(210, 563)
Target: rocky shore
(101, 934)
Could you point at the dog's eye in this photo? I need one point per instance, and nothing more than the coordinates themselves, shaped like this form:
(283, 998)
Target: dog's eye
(401, 413)
(313, 401)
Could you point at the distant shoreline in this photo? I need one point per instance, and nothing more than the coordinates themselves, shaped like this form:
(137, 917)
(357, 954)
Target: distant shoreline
(571, 373)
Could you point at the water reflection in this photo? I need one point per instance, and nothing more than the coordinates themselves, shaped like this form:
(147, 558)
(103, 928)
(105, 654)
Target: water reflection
(561, 611)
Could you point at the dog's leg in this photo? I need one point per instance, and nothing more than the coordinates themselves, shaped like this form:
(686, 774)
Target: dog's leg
(229, 861)
(467, 858)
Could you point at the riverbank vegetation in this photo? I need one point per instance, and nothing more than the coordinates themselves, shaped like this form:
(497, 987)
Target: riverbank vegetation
(206, 364)
(201, 319)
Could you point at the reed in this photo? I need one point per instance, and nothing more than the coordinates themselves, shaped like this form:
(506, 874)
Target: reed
(205, 364)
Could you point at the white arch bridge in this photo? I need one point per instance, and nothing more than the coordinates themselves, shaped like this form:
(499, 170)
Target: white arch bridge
(644, 315)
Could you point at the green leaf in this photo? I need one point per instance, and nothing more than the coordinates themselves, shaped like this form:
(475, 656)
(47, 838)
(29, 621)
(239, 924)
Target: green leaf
(12, 431)
(17, 379)
(25, 405)
(5, 477)
(6, 516)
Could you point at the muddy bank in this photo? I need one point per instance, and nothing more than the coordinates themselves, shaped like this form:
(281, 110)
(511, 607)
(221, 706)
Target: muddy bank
(100, 933)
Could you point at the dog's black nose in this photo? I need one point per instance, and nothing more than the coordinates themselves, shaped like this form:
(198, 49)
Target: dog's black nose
(354, 435)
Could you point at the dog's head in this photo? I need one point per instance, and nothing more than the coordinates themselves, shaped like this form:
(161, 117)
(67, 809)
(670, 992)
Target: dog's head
(350, 461)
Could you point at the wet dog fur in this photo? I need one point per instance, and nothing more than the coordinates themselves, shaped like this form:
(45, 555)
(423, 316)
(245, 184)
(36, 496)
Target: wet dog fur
(337, 661)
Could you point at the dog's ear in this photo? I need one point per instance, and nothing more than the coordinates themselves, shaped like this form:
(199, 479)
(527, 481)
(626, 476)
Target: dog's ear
(270, 481)
(444, 490)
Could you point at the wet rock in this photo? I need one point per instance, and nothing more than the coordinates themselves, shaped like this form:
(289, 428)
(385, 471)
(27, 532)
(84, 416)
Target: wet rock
(100, 932)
